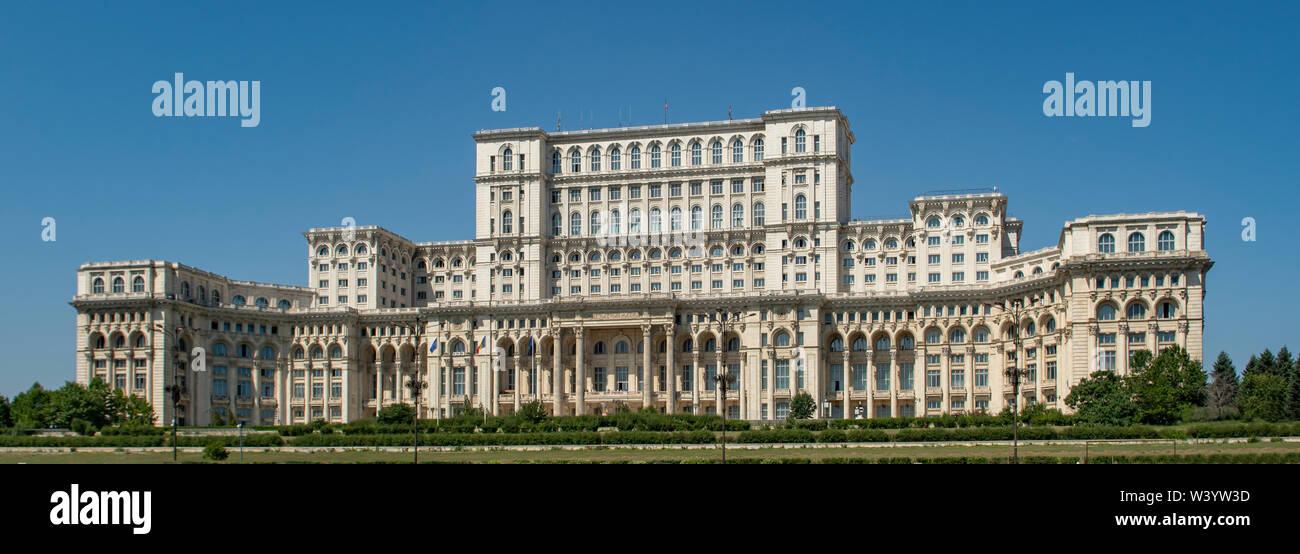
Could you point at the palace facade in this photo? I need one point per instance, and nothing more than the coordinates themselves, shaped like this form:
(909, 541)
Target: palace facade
(640, 265)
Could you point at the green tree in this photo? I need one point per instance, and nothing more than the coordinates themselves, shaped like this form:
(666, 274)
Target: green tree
(1103, 398)
(129, 409)
(1164, 386)
(5, 419)
(802, 406)
(32, 408)
(1263, 396)
(1222, 392)
(397, 413)
(215, 450)
(532, 412)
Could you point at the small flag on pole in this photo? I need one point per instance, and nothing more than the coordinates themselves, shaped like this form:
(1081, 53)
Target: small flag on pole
(434, 345)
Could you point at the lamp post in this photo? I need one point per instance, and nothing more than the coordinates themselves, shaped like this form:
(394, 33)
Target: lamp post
(175, 389)
(1015, 373)
(240, 425)
(417, 387)
(724, 379)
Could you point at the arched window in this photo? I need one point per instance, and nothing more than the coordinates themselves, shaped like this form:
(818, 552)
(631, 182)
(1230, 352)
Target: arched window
(634, 221)
(687, 345)
(981, 219)
(594, 257)
(800, 207)
(906, 343)
(800, 141)
(737, 151)
(717, 152)
(317, 352)
(860, 344)
(342, 250)
(615, 222)
(675, 218)
(244, 351)
(594, 157)
(733, 344)
(758, 150)
(97, 286)
(1136, 310)
(782, 338)
(656, 220)
(621, 347)
(323, 251)
(715, 219)
(137, 284)
(238, 300)
(933, 337)
(140, 341)
(594, 228)
(575, 161)
(1106, 243)
(837, 344)
(458, 347)
(738, 250)
(958, 221)
(262, 302)
(119, 285)
(575, 223)
(360, 249)
(268, 353)
(882, 343)
(656, 253)
(981, 335)
(1106, 312)
(506, 217)
(216, 297)
(598, 348)
(636, 157)
(675, 155)
(737, 216)
(697, 214)
(957, 336)
(506, 158)
(891, 243)
(1166, 241)
(869, 245)
(1166, 310)
(759, 214)
(655, 156)
(1050, 325)
(1030, 329)
(119, 341)
(933, 222)
(711, 345)
(697, 154)
(557, 225)
(297, 353)
(1136, 242)
(615, 159)
(555, 161)
(219, 349)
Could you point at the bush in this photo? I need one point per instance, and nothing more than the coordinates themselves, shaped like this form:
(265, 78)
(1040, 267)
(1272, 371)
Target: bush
(832, 436)
(397, 413)
(83, 427)
(215, 450)
(776, 436)
(866, 435)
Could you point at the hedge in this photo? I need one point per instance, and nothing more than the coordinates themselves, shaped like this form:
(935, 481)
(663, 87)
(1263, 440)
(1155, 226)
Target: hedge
(507, 439)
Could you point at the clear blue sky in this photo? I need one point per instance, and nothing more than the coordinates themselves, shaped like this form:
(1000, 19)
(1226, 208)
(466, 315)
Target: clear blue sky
(359, 97)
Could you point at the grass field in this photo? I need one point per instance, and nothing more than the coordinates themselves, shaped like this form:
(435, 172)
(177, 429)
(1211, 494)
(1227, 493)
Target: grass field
(126, 456)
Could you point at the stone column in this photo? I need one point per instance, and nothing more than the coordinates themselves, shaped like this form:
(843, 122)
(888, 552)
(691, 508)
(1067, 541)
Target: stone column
(519, 374)
(435, 385)
(557, 374)
(647, 382)
(945, 378)
(580, 375)
(670, 369)
(770, 394)
(848, 380)
(871, 381)
(695, 380)
(893, 382)
(719, 399)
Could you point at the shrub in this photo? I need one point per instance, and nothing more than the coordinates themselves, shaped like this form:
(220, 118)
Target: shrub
(215, 450)
(831, 436)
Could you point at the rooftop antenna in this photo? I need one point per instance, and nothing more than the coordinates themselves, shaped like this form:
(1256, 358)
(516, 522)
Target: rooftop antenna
(558, 119)
(728, 112)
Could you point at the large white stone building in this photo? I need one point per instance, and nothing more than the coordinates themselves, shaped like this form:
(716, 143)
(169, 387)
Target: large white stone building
(632, 265)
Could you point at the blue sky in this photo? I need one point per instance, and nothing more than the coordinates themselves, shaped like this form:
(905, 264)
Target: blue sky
(357, 98)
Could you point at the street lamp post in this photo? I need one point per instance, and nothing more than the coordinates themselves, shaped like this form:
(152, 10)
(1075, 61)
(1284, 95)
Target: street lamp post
(417, 387)
(1015, 373)
(175, 389)
(724, 379)
(416, 384)
(240, 425)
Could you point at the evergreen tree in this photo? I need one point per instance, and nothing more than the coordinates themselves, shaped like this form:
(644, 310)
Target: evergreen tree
(1267, 364)
(1222, 393)
(802, 406)
(5, 420)
(1252, 366)
(1263, 396)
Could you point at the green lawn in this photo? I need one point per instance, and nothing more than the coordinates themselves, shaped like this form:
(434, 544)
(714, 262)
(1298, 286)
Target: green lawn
(634, 455)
